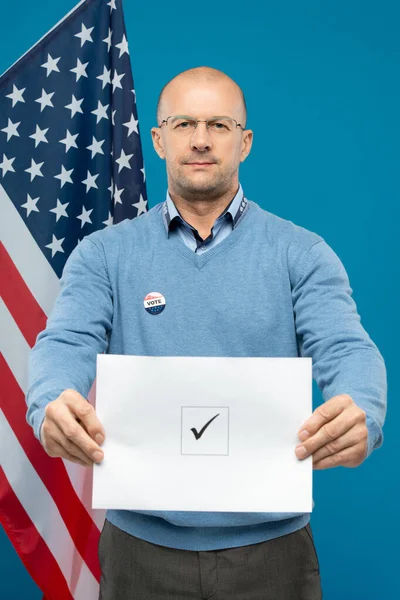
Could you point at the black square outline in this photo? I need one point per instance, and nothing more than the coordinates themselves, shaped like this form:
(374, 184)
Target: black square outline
(216, 407)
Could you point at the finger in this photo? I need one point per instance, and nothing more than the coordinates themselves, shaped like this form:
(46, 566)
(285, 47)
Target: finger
(74, 450)
(350, 438)
(64, 420)
(325, 413)
(328, 433)
(86, 414)
(55, 439)
(58, 451)
(349, 457)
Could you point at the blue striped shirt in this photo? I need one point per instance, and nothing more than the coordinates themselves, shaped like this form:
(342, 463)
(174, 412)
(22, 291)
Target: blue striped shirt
(177, 226)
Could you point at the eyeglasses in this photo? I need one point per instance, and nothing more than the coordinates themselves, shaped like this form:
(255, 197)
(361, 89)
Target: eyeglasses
(183, 125)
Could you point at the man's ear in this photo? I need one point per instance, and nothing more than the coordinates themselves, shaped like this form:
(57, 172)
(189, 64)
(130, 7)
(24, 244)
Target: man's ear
(157, 141)
(246, 145)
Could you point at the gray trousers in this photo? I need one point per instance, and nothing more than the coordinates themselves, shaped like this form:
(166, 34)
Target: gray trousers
(285, 568)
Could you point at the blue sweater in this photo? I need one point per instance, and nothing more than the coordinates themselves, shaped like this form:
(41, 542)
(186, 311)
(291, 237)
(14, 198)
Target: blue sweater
(270, 288)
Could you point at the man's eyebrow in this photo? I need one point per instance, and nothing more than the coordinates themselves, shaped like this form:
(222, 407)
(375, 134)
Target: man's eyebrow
(209, 118)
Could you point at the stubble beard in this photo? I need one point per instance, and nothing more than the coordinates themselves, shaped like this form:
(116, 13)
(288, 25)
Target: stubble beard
(206, 188)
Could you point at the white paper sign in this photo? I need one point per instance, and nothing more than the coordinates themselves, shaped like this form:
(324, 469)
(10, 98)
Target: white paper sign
(203, 434)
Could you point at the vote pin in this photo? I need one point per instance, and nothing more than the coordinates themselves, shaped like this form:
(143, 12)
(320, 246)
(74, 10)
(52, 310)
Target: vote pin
(154, 303)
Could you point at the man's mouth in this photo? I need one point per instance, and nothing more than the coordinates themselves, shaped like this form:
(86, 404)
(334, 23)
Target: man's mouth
(202, 164)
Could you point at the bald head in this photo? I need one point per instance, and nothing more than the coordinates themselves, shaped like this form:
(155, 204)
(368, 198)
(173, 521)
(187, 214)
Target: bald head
(196, 76)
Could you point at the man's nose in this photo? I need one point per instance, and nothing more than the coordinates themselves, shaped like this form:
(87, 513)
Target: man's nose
(200, 138)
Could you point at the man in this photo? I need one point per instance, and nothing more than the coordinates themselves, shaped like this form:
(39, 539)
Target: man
(208, 252)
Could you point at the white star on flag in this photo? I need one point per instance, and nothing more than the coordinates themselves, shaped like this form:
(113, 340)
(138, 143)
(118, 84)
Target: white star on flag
(35, 169)
(116, 80)
(84, 34)
(141, 205)
(107, 40)
(80, 70)
(60, 210)
(39, 136)
(16, 95)
(51, 65)
(30, 205)
(123, 46)
(109, 221)
(75, 106)
(117, 195)
(45, 100)
(105, 78)
(112, 4)
(55, 246)
(114, 112)
(123, 161)
(144, 174)
(90, 181)
(11, 129)
(69, 141)
(100, 112)
(95, 147)
(64, 176)
(85, 216)
(6, 164)
(131, 125)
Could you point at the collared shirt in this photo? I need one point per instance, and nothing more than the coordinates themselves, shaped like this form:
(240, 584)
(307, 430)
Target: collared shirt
(176, 225)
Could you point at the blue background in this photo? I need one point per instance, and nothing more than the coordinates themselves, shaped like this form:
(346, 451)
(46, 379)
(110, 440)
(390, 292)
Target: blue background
(321, 81)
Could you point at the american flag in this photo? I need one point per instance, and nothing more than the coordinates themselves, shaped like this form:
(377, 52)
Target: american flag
(70, 163)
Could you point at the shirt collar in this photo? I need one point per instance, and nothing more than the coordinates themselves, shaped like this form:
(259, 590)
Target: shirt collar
(235, 209)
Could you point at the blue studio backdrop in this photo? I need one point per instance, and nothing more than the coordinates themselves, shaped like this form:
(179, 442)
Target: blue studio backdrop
(322, 85)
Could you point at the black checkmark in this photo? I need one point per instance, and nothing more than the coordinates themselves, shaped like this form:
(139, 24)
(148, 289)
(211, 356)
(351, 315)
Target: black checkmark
(198, 435)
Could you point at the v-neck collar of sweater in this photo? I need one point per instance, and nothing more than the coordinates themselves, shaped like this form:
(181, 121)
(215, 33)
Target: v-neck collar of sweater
(200, 260)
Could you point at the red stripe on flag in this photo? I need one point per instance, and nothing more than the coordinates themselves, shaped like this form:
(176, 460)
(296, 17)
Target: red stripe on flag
(30, 546)
(84, 532)
(22, 305)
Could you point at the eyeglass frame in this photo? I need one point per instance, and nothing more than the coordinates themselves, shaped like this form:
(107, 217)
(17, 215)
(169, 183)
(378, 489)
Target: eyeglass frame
(202, 121)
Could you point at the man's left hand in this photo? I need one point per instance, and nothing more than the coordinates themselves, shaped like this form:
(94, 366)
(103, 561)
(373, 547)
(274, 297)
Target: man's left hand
(337, 434)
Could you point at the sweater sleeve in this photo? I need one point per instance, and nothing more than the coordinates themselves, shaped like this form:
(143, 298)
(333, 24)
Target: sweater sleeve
(329, 330)
(64, 355)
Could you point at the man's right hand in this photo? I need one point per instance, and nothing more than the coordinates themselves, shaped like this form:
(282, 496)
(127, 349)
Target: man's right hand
(72, 430)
